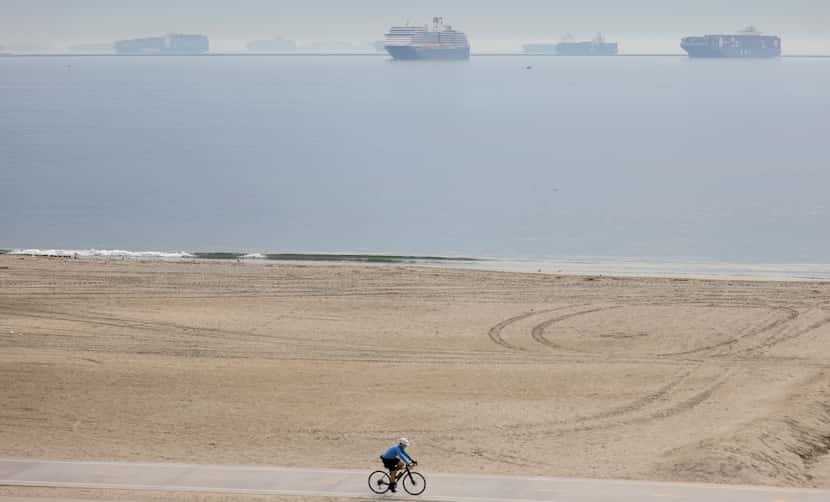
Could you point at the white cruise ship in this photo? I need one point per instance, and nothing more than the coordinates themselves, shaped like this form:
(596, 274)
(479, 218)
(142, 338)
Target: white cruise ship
(419, 42)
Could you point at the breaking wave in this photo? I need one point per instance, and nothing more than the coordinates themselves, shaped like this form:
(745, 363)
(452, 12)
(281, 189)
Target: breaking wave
(103, 253)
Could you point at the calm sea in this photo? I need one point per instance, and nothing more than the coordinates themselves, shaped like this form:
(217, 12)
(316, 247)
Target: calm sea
(510, 157)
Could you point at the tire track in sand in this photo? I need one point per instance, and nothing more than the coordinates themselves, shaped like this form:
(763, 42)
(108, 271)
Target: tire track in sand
(495, 332)
(617, 411)
(538, 331)
(773, 341)
(627, 413)
(791, 315)
(660, 414)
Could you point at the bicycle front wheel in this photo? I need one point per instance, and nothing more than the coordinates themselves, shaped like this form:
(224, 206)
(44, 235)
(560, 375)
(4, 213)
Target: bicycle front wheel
(379, 482)
(414, 483)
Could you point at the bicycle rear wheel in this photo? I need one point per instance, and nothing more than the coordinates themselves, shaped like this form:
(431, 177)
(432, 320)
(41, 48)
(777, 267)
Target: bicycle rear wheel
(379, 482)
(414, 483)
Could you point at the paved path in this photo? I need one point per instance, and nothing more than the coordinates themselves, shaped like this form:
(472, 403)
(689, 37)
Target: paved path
(349, 483)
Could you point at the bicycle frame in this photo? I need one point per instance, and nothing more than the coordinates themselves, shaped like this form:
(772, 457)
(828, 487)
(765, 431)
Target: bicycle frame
(404, 472)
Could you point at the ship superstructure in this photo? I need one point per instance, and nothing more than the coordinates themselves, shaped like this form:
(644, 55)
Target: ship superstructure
(596, 47)
(421, 42)
(748, 43)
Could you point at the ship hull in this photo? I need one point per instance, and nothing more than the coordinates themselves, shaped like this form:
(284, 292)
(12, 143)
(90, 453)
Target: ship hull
(546, 49)
(586, 49)
(708, 52)
(413, 53)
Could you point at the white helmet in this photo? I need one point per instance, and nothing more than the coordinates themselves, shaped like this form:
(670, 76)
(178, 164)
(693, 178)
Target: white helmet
(403, 442)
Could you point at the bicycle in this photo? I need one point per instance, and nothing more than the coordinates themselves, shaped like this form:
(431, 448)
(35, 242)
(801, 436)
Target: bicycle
(413, 482)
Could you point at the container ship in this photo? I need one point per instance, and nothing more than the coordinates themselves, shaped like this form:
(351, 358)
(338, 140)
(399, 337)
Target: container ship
(419, 42)
(272, 45)
(568, 47)
(748, 43)
(169, 44)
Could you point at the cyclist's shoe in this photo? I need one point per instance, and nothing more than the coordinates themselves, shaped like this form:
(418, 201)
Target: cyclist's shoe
(393, 487)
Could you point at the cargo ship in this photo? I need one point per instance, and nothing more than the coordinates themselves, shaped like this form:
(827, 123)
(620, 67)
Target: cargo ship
(748, 43)
(272, 45)
(168, 44)
(568, 47)
(420, 42)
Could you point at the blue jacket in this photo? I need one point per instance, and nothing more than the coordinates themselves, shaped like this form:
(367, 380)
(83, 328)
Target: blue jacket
(397, 451)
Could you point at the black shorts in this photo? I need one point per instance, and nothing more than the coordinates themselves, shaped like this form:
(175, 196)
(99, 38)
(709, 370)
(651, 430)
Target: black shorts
(390, 463)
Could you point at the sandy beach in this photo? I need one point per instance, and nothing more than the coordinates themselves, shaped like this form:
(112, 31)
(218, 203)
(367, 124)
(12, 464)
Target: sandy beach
(486, 372)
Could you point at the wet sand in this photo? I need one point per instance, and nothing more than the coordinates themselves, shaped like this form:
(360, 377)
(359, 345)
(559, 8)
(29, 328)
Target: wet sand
(324, 366)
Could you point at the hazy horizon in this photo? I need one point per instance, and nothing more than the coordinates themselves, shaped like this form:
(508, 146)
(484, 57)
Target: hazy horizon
(49, 25)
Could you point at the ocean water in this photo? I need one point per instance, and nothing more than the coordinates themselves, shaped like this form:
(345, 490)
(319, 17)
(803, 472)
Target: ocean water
(529, 158)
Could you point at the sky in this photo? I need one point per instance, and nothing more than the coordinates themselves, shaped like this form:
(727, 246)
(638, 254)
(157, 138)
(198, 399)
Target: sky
(58, 24)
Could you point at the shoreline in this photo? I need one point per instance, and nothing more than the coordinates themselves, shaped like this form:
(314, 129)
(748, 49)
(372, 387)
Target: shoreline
(624, 267)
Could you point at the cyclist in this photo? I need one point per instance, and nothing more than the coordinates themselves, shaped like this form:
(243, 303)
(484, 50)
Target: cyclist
(392, 459)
